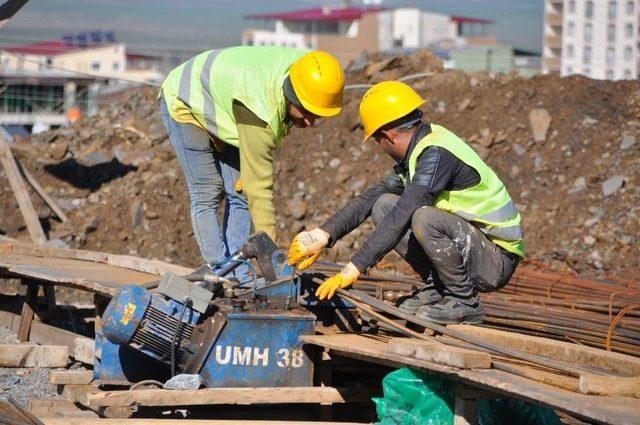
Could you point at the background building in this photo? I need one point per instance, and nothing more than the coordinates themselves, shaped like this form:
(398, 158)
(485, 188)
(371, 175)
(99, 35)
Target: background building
(496, 58)
(54, 82)
(596, 38)
(348, 31)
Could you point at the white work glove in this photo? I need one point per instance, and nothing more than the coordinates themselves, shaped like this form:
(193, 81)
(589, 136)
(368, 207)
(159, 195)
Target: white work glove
(306, 247)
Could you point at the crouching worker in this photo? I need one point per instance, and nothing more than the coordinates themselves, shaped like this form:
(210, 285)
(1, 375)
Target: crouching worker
(442, 209)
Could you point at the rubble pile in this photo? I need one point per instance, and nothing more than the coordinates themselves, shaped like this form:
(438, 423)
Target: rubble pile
(566, 148)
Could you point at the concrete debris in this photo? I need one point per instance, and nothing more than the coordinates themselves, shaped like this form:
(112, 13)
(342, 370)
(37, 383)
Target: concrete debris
(95, 158)
(579, 185)
(588, 122)
(118, 171)
(59, 149)
(519, 150)
(334, 163)
(298, 209)
(612, 185)
(627, 142)
(183, 381)
(540, 121)
(589, 240)
(464, 105)
(486, 139)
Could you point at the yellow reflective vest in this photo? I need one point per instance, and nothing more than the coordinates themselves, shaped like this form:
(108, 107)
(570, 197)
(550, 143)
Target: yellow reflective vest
(487, 205)
(201, 91)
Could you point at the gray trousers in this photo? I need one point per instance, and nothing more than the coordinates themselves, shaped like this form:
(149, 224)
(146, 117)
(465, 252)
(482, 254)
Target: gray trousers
(449, 252)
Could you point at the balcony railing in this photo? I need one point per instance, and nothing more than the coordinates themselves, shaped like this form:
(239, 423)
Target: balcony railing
(554, 41)
(554, 20)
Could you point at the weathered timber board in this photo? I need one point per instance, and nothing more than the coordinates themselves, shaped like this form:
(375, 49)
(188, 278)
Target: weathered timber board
(80, 347)
(101, 278)
(105, 421)
(145, 265)
(605, 410)
(246, 396)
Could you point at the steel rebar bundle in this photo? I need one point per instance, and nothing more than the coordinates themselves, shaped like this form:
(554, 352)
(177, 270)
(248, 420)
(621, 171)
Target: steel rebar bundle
(594, 312)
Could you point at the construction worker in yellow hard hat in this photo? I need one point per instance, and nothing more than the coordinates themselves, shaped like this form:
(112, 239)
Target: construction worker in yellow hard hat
(226, 111)
(442, 209)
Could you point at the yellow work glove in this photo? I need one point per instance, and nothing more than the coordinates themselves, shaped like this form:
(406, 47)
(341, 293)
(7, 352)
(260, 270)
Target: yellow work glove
(239, 186)
(306, 247)
(347, 276)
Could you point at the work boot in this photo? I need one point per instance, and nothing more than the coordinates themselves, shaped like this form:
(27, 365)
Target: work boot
(453, 310)
(424, 297)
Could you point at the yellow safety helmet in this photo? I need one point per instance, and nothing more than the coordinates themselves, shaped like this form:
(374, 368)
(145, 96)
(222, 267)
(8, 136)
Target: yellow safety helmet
(386, 102)
(318, 81)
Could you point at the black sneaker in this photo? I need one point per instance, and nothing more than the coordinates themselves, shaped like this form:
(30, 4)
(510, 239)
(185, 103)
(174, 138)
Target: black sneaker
(452, 310)
(425, 297)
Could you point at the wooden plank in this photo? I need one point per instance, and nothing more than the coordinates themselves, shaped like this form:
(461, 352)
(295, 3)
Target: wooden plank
(42, 193)
(144, 265)
(75, 392)
(372, 348)
(10, 321)
(141, 421)
(94, 277)
(12, 414)
(27, 355)
(611, 386)
(210, 396)
(565, 351)
(83, 350)
(20, 192)
(64, 377)
(28, 307)
(560, 381)
(80, 347)
(58, 409)
(608, 410)
(440, 353)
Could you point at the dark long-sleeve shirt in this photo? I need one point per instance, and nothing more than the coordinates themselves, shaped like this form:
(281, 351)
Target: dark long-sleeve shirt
(437, 169)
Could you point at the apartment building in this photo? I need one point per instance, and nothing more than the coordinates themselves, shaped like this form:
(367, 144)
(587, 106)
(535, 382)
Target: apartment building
(52, 82)
(348, 31)
(595, 38)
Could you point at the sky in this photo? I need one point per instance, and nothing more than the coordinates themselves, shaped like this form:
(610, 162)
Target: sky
(204, 24)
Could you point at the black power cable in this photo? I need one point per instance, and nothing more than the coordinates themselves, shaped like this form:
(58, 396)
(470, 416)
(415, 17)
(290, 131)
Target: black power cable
(187, 303)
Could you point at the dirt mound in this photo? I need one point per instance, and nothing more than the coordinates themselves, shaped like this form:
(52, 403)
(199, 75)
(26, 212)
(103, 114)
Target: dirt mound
(565, 148)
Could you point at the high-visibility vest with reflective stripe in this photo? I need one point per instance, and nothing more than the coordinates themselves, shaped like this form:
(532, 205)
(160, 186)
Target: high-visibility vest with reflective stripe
(487, 205)
(207, 84)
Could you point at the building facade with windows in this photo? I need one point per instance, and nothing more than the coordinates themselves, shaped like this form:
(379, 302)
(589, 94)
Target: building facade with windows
(348, 31)
(595, 38)
(51, 83)
(105, 60)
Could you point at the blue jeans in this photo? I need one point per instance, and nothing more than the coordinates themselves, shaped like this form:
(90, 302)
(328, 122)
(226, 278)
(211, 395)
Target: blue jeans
(210, 175)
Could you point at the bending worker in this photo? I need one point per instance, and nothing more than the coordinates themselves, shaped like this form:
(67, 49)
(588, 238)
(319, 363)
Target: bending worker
(442, 209)
(226, 111)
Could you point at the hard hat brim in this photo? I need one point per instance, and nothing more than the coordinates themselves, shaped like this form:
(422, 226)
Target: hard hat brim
(320, 111)
(416, 106)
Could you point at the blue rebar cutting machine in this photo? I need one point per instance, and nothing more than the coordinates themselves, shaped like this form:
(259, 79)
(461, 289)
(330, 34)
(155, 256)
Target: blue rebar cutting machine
(233, 335)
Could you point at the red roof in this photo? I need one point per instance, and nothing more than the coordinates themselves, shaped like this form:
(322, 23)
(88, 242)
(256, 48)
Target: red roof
(319, 14)
(465, 20)
(48, 47)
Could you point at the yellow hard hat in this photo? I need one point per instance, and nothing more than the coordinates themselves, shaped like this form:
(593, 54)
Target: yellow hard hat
(318, 81)
(386, 102)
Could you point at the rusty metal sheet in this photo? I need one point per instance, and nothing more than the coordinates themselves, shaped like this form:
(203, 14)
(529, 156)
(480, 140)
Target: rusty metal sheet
(95, 277)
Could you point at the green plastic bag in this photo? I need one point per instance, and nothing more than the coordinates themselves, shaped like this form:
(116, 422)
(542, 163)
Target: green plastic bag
(413, 398)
